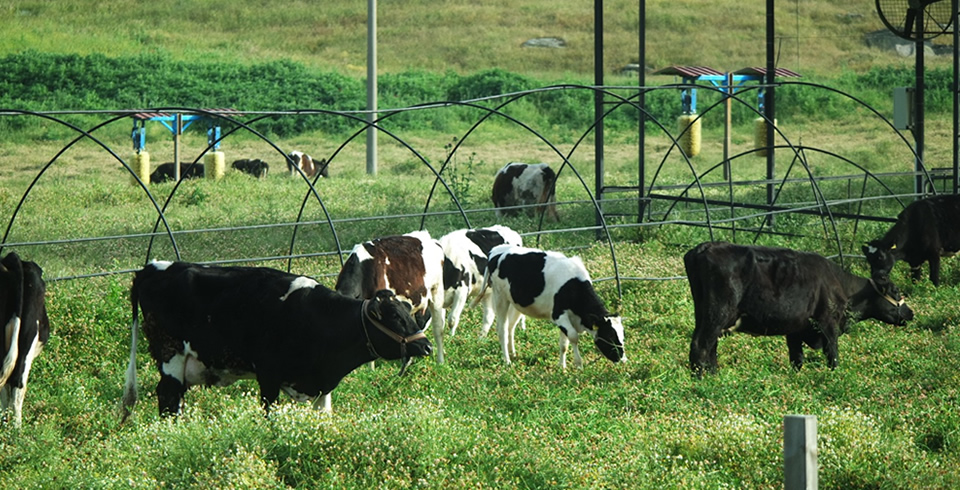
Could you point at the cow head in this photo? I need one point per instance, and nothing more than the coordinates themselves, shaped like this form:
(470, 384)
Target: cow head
(608, 337)
(397, 335)
(880, 257)
(885, 303)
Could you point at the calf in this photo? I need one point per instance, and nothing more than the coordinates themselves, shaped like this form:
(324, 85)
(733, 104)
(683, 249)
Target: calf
(777, 291)
(525, 184)
(467, 251)
(165, 172)
(925, 231)
(255, 167)
(212, 326)
(299, 162)
(410, 265)
(26, 328)
(549, 285)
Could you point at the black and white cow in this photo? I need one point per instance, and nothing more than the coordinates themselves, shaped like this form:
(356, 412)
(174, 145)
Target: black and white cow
(252, 166)
(778, 291)
(165, 171)
(26, 329)
(212, 326)
(525, 184)
(549, 285)
(925, 231)
(410, 265)
(467, 252)
(298, 161)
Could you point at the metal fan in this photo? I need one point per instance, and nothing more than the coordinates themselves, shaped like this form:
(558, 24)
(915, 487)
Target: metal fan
(900, 16)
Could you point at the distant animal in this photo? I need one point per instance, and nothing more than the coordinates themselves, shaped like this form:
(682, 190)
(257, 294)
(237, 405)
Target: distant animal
(467, 251)
(778, 291)
(165, 171)
(925, 231)
(549, 285)
(525, 184)
(255, 167)
(26, 329)
(410, 265)
(212, 326)
(306, 164)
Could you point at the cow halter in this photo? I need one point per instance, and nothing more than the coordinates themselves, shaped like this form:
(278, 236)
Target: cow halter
(885, 295)
(400, 339)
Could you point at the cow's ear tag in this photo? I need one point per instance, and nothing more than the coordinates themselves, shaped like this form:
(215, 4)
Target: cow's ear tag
(893, 247)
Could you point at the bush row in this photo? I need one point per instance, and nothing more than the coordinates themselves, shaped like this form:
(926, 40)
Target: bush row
(34, 81)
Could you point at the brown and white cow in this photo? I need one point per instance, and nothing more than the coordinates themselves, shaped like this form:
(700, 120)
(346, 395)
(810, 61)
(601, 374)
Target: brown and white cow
(26, 328)
(525, 186)
(212, 326)
(410, 265)
(299, 162)
(777, 291)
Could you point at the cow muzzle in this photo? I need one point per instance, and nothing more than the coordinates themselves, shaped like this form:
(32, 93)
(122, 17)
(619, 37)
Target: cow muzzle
(367, 317)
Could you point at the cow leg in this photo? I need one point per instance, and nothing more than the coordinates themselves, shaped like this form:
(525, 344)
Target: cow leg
(506, 323)
(323, 403)
(916, 272)
(457, 304)
(170, 393)
(269, 392)
(437, 322)
(514, 317)
(935, 269)
(795, 347)
(486, 303)
(11, 396)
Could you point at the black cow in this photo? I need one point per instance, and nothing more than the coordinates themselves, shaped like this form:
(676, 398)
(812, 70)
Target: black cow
(925, 231)
(165, 171)
(525, 184)
(778, 291)
(26, 328)
(215, 325)
(255, 167)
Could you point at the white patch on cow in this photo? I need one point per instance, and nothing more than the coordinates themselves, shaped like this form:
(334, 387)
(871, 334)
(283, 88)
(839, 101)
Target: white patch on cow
(871, 249)
(296, 395)
(176, 366)
(299, 283)
(11, 341)
(11, 395)
(323, 403)
(160, 265)
(361, 252)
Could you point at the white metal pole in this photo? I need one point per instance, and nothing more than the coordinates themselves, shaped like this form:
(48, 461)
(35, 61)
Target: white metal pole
(800, 452)
(371, 85)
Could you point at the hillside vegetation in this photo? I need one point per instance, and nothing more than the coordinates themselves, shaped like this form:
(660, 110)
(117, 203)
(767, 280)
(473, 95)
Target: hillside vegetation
(818, 37)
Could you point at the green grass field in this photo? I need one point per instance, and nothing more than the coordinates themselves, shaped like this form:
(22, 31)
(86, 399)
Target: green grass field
(888, 416)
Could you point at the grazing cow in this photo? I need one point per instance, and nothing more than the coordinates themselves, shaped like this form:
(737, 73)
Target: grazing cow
(778, 291)
(26, 328)
(211, 326)
(925, 231)
(525, 184)
(549, 285)
(298, 161)
(255, 167)
(165, 171)
(467, 252)
(410, 265)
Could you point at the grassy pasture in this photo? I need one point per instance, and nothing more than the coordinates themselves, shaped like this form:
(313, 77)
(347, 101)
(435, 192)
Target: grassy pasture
(887, 416)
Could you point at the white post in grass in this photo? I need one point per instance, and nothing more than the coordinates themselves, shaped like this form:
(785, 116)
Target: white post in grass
(800, 452)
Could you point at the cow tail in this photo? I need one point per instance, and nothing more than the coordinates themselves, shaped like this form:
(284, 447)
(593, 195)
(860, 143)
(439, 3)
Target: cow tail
(130, 383)
(11, 332)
